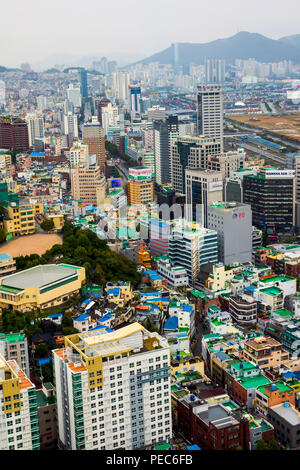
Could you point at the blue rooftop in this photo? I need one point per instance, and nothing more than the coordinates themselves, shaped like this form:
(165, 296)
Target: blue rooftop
(37, 154)
(55, 315)
(171, 324)
(82, 317)
(115, 291)
(194, 447)
(4, 256)
(106, 317)
(44, 361)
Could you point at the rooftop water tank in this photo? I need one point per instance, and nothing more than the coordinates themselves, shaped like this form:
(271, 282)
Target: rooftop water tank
(192, 397)
(273, 387)
(286, 404)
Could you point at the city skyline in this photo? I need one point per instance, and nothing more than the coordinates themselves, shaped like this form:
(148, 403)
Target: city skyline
(59, 43)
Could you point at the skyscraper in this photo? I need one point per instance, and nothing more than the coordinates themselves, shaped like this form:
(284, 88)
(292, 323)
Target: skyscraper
(190, 152)
(85, 181)
(271, 194)
(210, 112)
(74, 96)
(203, 187)
(84, 85)
(215, 71)
(165, 134)
(94, 137)
(70, 127)
(134, 99)
(35, 127)
(118, 389)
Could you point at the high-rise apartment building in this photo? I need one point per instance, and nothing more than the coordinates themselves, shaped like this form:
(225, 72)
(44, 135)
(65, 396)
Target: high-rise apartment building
(94, 137)
(156, 113)
(140, 186)
(74, 95)
(14, 346)
(35, 127)
(13, 133)
(117, 385)
(215, 71)
(71, 127)
(190, 152)
(271, 194)
(121, 82)
(233, 223)
(19, 428)
(203, 187)
(86, 181)
(210, 112)
(79, 154)
(164, 135)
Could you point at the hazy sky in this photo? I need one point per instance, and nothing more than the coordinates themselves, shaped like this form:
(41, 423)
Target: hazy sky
(33, 30)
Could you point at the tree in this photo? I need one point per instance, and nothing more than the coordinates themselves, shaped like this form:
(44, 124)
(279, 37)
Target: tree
(42, 350)
(47, 225)
(2, 235)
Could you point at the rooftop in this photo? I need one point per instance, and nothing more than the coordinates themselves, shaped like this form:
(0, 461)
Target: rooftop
(38, 276)
(253, 382)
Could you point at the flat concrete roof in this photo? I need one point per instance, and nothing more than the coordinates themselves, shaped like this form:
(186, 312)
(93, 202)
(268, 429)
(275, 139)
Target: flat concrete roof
(38, 276)
(289, 414)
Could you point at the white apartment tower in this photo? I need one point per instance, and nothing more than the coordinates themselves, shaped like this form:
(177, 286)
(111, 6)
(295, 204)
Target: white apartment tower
(113, 390)
(19, 427)
(210, 112)
(35, 127)
(74, 95)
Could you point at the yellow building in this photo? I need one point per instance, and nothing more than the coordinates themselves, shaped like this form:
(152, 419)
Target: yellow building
(7, 265)
(140, 186)
(220, 276)
(21, 218)
(43, 286)
(145, 258)
(58, 220)
(119, 293)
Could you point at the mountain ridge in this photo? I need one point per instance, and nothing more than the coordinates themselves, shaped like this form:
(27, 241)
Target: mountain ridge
(243, 45)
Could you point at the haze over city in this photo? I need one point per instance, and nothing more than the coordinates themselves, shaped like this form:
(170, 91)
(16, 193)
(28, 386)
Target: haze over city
(46, 33)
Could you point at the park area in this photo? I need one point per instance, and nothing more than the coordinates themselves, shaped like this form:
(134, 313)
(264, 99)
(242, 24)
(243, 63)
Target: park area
(286, 125)
(31, 244)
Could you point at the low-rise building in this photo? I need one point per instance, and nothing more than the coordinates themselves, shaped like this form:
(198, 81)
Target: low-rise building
(7, 265)
(43, 286)
(265, 352)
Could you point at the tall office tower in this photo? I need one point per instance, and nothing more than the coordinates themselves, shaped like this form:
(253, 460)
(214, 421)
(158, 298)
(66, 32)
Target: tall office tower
(121, 81)
(140, 186)
(104, 65)
(122, 381)
(165, 133)
(109, 117)
(19, 428)
(68, 107)
(293, 163)
(79, 154)
(71, 127)
(215, 71)
(271, 194)
(134, 99)
(83, 83)
(210, 112)
(74, 95)
(192, 246)
(41, 102)
(13, 134)
(14, 346)
(84, 183)
(190, 152)
(35, 127)
(203, 187)
(233, 222)
(99, 104)
(94, 137)
(156, 113)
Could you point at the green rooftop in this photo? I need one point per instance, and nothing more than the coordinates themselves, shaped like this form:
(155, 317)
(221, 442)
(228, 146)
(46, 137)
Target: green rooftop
(283, 312)
(276, 279)
(12, 338)
(271, 290)
(245, 365)
(42, 400)
(253, 382)
(163, 447)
